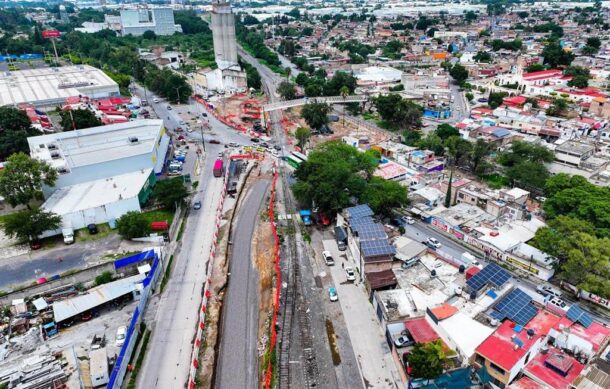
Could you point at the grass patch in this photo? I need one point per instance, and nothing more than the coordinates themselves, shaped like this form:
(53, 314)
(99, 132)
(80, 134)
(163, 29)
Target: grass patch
(122, 254)
(370, 116)
(162, 214)
(496, 181)
(103, 230)
(139, 361)
(181, 230)
(168, 272)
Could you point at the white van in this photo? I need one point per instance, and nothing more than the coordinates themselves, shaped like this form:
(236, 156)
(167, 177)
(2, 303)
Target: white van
(68, 234)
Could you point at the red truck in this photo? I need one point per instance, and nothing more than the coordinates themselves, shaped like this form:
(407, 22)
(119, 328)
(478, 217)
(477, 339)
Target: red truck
(218, 168)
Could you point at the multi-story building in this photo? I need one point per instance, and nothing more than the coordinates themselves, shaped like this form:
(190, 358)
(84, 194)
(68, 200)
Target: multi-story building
(158, 20)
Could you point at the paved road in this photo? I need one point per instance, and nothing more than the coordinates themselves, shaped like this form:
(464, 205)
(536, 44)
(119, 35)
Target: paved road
(238, 357)
(168, 361)
(27, 268)
(459, 103)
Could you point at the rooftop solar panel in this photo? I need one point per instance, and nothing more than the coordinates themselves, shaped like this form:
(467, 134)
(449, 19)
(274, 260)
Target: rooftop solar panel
(371, 231)
(577, 314)
(374, 248)
(516, 306)
(360, 211)
(491, 274)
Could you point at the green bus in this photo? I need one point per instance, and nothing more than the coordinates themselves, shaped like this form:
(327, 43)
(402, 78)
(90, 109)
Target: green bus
(293, 161)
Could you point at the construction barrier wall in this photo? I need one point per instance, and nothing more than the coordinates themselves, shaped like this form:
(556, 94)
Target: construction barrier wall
(120, 367)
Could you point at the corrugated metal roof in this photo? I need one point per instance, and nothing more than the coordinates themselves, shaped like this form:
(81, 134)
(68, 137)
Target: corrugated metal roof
(97, 296)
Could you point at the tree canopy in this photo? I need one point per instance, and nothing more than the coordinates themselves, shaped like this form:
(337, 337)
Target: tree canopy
(399, 113)
(458, 73)
(133, 224)
(286, 90)
(524, 164)
(15, 128)
(29, 224)
(335, 175)
(315, 114)
(427, 359)
(22, 179)
(77, 119)
(554, 55)
(170, 192)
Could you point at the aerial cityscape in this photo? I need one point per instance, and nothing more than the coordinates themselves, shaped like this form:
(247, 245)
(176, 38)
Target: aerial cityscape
(284, 194)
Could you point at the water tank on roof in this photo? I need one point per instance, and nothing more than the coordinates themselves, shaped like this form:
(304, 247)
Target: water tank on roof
(462, 268)
(433, 273)
(473, 295)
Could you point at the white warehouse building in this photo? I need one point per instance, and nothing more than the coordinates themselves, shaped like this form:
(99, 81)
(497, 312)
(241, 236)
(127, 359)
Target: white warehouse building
(47, 87)
(100, 201)
(158, 20)
(102, 152)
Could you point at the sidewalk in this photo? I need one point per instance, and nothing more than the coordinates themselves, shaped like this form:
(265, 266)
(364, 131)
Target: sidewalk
(368, 341)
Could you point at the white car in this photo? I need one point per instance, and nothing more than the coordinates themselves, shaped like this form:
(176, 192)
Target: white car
(556, 301)
(409, 220)
(155, 100)
(328, 258)
(332, 294)
(349, 272)
(121, 333)
(433, 243)
(182, 123)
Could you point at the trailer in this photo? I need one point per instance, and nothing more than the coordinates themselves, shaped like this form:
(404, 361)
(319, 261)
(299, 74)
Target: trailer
(98, 367)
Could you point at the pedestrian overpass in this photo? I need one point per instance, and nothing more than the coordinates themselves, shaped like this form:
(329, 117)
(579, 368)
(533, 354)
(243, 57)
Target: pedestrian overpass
(308, 100)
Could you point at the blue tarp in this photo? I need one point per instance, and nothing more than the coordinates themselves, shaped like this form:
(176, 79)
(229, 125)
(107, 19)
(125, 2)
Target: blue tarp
(146, 255)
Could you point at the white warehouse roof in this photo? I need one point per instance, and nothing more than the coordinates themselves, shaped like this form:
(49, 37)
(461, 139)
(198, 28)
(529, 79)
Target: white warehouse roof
(378, 74)
(96, 145)
(50, 86)
(97, 296)
(98, 193)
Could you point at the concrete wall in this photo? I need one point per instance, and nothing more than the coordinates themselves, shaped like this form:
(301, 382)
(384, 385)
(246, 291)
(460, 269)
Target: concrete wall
(80, 277)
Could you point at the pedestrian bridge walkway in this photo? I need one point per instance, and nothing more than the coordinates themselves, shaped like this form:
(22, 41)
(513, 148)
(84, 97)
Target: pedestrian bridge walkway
(307, 100)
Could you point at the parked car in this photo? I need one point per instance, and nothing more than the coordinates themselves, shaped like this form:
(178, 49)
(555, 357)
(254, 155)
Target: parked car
(332, 294)
(35, 244)
(254, 140)
(433, 243)
(155, 100)
(409, 220)
(214, 141)
(278, 147)
(546, 290)
(233, 144)
(182, 123)
(121, 333)
(328, 258)
(205, 115)
(92, 228)
(398, 222)
(556, 301)
(349, 272)
(197, 204)
(403, 341)
(169, 107)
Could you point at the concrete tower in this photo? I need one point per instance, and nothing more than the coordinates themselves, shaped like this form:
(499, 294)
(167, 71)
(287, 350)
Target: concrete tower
(223, 31)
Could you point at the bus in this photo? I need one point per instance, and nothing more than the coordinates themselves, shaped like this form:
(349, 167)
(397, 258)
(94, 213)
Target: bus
(294, 162)
(218, 168)
(299, 156)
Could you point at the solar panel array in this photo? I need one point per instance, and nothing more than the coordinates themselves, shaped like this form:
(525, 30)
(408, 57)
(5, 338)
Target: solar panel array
(577, 314)
(491, 274)
(374, 248)
(358, 211)
(516, 306)
(371, 231)
(359, 223)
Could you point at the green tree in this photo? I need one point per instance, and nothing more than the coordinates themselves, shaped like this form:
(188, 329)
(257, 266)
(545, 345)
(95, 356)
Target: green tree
(445, 131)
(15, 128)
(496, 99)
(104, 278)
(528, 173)
(399, 113)
(554, 55)
(29, 224)
(315, 114)
(458, 149)
(458, 73)
(333, 174)
(562, 181)
(579, 82)
(594, 42)
(480, 151)
(170, 192)
(411, 137)
(133, 224)
(392, 49)
(535, 67)
(469, 96)
(433, 143)
(448, 194)
(149, 35)
(22, 179)
(383, 195)
(302, 134)
(287, 90)
(427, 359)
(78, 119)
(558, 107)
